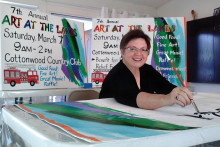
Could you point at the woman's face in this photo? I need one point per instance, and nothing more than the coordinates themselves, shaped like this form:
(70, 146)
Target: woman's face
(135, 54)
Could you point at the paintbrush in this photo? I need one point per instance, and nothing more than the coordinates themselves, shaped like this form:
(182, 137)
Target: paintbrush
(192, 101)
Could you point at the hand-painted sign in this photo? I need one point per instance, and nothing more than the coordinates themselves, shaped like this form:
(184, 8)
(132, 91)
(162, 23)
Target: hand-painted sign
(167, 37)
(40, 51)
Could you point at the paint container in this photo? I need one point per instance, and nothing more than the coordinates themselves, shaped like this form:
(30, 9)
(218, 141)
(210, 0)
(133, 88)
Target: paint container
(87, 85)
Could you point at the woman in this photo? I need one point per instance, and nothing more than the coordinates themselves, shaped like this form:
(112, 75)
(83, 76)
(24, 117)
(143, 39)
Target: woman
(134, 83)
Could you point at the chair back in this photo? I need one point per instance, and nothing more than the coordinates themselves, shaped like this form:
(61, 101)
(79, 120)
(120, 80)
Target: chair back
(77, 95)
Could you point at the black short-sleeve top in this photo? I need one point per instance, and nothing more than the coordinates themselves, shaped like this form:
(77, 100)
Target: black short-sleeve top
(121, 84)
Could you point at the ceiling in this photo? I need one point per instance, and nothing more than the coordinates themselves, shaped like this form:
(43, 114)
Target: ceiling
(149, 3)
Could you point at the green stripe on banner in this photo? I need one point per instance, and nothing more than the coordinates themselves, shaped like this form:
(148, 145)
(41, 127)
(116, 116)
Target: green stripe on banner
(91, 112)
(73, 47)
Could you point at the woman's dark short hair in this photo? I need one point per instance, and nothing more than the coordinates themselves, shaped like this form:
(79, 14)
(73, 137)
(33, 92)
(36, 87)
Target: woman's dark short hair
(133, 34)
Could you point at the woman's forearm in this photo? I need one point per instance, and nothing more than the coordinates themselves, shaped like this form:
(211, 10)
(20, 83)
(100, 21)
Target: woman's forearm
(153, 101)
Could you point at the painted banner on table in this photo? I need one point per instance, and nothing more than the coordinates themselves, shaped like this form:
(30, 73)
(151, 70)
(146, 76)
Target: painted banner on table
(167, 37)
(93, 123)
(40, 51)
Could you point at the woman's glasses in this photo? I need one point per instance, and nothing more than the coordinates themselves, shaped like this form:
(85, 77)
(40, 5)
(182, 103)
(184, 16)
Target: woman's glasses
(133, 49)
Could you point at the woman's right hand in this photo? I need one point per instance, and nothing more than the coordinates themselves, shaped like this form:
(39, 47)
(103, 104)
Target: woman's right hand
(181, 96)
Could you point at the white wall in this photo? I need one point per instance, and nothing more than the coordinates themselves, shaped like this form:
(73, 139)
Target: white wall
(38, 3)
(174, 8)
(86, 8)
(92, 8)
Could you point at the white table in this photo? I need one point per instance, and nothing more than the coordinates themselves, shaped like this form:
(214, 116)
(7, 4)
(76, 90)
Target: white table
(34, 132)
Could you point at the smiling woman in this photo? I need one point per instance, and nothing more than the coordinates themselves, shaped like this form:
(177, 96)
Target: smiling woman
(133, 82)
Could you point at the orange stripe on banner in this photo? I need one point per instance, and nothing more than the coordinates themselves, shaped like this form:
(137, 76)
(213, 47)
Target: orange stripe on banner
(85, 53)
(58, 124)
(185, 49)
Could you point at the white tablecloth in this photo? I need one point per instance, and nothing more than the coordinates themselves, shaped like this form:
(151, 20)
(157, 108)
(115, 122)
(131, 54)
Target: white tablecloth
(31, 131)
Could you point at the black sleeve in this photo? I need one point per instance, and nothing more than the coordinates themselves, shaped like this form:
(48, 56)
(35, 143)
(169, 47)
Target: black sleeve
(120, 84)
(107, 90)
(121, 90)
(162, 85)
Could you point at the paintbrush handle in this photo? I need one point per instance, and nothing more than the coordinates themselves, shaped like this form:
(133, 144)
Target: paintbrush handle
(193, 103)
(175, 71)
(195, 107)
